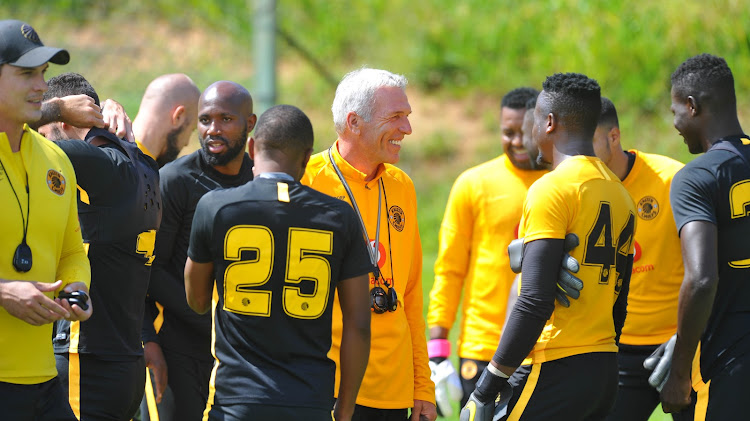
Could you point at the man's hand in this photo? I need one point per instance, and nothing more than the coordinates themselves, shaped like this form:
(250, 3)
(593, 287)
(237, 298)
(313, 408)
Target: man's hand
(26, 301)
(116, 120)
(75, 313)
(660, 362)
(154, 358)
(423, 411)
(489, 401)
(447, 386)
(76, 110)
(567, 284)
(675, 395)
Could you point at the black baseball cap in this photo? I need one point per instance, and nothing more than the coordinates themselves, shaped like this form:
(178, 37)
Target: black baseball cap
(20, 46)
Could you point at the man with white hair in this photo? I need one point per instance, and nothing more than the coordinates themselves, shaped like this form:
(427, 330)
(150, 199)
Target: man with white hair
(371, 115)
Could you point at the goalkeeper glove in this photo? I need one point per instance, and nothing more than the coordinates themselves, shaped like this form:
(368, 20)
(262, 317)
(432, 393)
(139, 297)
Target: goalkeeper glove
(489, 401)
(660, 362)
(447, 384)
(567, 284)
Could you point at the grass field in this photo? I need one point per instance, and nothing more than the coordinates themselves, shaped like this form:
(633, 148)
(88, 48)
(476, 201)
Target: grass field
(460, 57)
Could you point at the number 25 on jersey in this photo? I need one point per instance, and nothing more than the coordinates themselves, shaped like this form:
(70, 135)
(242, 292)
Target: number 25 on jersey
(243, 278)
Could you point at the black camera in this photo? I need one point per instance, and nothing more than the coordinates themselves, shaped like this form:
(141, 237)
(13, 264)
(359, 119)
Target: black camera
(75, 297)
(382, 301)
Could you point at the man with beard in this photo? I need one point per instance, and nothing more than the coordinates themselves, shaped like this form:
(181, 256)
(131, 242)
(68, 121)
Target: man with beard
(225, 117)
(166, 117)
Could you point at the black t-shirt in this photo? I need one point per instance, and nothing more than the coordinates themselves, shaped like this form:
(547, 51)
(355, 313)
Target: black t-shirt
(119, 208)
(183, 183)
(279, 250)
(715, 188)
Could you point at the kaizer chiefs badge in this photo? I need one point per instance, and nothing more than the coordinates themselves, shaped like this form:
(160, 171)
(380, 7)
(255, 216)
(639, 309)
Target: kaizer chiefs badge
(56, 182)
(396, 217)
(648, 208)
(469, 369)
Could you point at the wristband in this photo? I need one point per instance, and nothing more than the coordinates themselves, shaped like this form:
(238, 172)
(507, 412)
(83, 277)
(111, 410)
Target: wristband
(492, 369)
(438, 348)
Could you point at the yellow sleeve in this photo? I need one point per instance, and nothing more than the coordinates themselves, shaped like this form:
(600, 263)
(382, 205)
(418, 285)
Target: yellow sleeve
(74, 264)
(545, 212)
(424, 388)
(454, 253)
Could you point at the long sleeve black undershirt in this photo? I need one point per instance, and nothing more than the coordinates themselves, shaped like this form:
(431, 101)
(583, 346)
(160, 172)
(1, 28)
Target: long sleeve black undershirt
(536, 302)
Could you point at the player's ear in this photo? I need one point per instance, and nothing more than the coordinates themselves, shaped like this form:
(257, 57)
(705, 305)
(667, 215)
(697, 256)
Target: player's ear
(550, 123)
(251, 148)
(693, 106)
(305, 160)
(352, 122)
(614, 136)
(178, 114)
(251, 120)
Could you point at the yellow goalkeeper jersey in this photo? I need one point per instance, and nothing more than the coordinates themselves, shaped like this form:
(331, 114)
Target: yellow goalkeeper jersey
(481, 218)
(657, 267)
(584, 197)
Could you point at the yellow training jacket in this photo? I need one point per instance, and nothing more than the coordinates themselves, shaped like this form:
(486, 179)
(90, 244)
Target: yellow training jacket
(397, 371)
(584, 197)
(481, 219)
(657, 267)
(54, 237)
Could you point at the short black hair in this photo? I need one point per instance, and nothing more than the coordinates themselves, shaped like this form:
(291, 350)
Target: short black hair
(608, 116)
(284, 127)
(576, 101)
(531, 104)
(518, 97)
(70, 84)
(706, 77)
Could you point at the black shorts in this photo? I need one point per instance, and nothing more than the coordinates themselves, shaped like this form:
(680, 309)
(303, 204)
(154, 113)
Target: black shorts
(636, 399)
(188, 380)
(579, 387)
(723, 397)
(100, 389)
(35, 402)
(262, 412)
(470, 371)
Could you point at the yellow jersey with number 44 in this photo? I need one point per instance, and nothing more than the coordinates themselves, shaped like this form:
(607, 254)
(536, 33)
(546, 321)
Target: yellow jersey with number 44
(584, 197)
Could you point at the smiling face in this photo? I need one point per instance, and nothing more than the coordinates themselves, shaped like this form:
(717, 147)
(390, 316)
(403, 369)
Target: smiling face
(380, 138)
(511, 126)
(686, 123)
(21, 91)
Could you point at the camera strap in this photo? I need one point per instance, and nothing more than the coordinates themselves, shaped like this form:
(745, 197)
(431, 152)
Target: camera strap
(371, 250)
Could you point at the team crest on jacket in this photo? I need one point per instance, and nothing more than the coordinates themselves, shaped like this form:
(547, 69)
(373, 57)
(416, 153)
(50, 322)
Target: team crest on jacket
(56, 182)
(648, 208)
(396, 218)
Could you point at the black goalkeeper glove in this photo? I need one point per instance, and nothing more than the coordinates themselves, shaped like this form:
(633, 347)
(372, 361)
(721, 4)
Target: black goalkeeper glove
(489, 401)
(567, 284)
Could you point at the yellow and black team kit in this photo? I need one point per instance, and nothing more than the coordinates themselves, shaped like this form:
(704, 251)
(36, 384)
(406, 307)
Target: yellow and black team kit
(481, 218)
(100, 361)
(279, 251)
(654, 283)
(185, 336)
(397, 369)
(715, 188)
(571, 371)
(43, 180)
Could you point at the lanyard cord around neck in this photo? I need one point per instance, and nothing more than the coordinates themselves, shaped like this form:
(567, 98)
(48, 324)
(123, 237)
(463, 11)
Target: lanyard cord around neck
(371, 251)
(25, 220)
